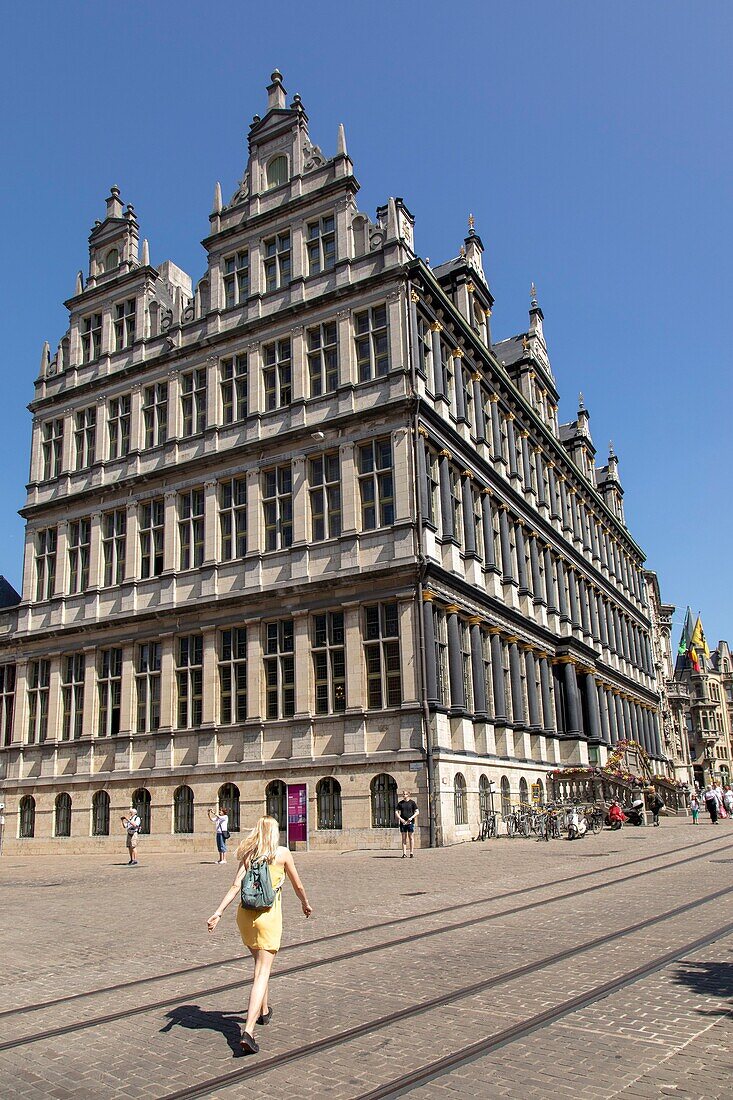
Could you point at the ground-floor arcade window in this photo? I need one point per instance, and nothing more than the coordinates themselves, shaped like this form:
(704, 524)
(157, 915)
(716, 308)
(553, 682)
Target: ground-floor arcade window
(100, 814)
(384, 801)
(62, 815)
(141, 800)
(229, 804)
(27, 811)
(183, 810)
(328, 797)
(276, 803)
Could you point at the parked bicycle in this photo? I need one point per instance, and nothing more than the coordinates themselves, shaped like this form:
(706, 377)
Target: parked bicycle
(488, 828)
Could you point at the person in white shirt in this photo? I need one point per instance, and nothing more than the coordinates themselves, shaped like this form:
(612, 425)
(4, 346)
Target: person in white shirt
(221, 826)
(131, 824)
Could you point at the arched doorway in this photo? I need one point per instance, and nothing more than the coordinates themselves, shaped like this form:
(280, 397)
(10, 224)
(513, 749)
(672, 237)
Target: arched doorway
(229, 802)
(141, 800)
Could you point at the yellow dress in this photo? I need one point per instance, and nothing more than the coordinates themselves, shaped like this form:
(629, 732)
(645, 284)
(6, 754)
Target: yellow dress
(263, 929)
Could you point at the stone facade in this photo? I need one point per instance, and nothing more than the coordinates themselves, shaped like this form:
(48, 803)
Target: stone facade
(704, 700)
(673, 695)
(305, 521)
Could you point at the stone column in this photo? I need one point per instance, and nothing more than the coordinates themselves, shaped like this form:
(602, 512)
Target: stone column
(601, 615)
(612, 717)
(458, 375)
(628, 723)
(564, 505)
(431, 672)
(96, 564)
(301, 647)
(354, 652)
(455, 669)
(561, 594)
(438, 387)
(422, 473)
(521, 559)
(573, 592)
(532, 700)
(535, 568)
(550, 587)
(211, 524)
(547, 715)
(513, 471)
(300, 500)
(487, 518)
(552, 485)
(515, 676)
(540, 475)
(469, 533)
(446, 508)
(594, 715)
(584, 610)
(656, 735)
(478, 407)
(593, 609)
(210, 678)
(622, 731)
(603, 707)
(572, 699)
(506, 552)
(170, 532)
(497, 679)
(495, 426)
(477, 669)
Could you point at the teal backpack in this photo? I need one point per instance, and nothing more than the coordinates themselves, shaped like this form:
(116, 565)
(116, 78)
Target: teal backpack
(257, 888)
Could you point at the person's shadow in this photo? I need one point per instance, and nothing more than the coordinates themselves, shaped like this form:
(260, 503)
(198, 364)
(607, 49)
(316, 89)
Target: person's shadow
(228, 1024)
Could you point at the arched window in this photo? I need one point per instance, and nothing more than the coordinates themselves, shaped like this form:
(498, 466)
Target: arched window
(141, 801)
(229, 802)
(112, 260)
(183, 810)
(506, 797)
(459, 800)
(484, 796)
(27, 816)
(328, 797)
(523, 791)
(724, 774)
(100, 814)
(384, 801)
(62, 824)
(277, 171)
(542, 792)
(276, 802)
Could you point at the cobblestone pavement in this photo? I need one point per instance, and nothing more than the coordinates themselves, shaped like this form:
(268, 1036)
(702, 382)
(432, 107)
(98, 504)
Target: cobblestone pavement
(459, 945)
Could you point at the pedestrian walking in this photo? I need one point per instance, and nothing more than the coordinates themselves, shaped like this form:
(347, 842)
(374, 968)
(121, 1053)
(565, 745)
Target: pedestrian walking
(407, 814)
(694, 808)
(711, 803)
(721, 804)
(656, 805)
(221, 832)
(728, 800)
(131, 824)
(263, 867)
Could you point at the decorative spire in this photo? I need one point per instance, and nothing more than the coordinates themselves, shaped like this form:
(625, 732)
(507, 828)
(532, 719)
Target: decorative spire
(611, 452)
(533, 296)
(146, 253)
(341, 143)
(45, 357)
(581, 402)
(276, 95)
(114, 206)
(79, 282)
(471, 225)
(216, 208)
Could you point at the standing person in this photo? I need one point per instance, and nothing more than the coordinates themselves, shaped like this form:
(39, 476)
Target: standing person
(221, 830)
(261, 930)
(131, 824)
(721, 803)
(728, 800)
(694, 808)
(407, 814)
(711, 803)
(656, 805)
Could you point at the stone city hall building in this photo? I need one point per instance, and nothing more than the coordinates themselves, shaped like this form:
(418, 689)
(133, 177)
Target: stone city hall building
(307, 522)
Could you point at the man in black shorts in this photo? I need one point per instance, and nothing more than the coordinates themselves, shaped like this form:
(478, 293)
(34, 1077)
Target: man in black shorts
(407, 813)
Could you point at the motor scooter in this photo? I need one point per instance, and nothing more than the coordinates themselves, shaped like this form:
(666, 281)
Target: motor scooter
(634, 812)
(577, 825)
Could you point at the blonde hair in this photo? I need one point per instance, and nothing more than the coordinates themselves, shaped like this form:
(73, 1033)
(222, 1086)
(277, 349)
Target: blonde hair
(261, 843)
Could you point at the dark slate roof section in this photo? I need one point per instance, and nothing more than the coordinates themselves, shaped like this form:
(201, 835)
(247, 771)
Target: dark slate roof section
(8, 596)
(510, 351)
(448, 267)
(568, 431)
(601, 474)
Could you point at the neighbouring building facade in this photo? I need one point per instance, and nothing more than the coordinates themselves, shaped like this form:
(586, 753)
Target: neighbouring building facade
(674, 700)
(306, 522)
(703, 684)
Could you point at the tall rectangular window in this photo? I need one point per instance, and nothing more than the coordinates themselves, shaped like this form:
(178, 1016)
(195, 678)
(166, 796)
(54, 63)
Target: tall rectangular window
(277, 504)
(109, 691)
(323, 363)
(53, 446)
(80, 533)
(465, 636)
(85, 437)
(46, 541)
(456, 496)
(147, 685)
(277, 261)
(191, 528)
(488, 679)
(425, 350)
(382, 654)
(72, 696)
(233, 675)
(193, 401)
(321, 245)
(324, 483)
(190, 680)
(372, 346)
(279, 663)
(7, 702)
(114, 542)
(277, 374)
(118, 426)
(432, 470)
(329, 662)
(233, 388)
(236, 279)
(155, 414)
(124, 324)
(39, 678)
(151, 521)
(376, 485)
(91, 338)
(233, 518)
(441, 656)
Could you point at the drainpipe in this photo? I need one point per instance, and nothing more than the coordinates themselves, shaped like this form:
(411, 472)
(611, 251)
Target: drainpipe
(427, 746)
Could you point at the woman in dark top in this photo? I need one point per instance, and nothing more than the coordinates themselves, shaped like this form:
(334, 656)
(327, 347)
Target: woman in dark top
(407, 813)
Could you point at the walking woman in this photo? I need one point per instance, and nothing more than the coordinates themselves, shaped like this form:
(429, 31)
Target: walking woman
(261, 930)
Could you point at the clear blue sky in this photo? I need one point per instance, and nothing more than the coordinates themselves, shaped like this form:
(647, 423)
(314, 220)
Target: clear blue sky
(591, 142)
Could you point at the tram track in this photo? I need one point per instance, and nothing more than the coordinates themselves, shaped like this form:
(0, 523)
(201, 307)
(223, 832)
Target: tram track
(359, 952)
(407, 1082)
(137, 983)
